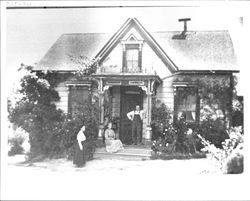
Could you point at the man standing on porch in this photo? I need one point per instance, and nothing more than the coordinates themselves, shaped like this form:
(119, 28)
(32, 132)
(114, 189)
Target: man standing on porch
(136, 117)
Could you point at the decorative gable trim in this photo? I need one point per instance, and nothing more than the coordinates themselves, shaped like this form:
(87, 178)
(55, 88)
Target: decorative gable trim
(115, 39)
(132, 40)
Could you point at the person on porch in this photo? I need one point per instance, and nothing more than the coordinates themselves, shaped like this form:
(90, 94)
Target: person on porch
(112, 144)
(136, 116)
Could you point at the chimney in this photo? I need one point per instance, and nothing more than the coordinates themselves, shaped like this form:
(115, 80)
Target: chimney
(183, 34)
(185, 23)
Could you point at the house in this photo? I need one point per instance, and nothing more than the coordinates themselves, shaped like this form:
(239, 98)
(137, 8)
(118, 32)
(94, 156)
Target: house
(136, 66)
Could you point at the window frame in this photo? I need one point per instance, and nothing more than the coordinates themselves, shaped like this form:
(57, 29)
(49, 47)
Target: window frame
(176, 99)
(132, 47)
(127, 45)
(77, 87)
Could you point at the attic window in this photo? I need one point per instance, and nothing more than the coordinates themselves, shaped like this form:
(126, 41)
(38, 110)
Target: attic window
(132, 54)
(132, 58)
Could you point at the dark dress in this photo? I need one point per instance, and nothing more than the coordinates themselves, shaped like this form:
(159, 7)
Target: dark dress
(78, 159)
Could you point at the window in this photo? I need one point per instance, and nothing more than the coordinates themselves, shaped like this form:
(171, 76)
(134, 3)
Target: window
(77, 96)
(186, 104)
(132, 56)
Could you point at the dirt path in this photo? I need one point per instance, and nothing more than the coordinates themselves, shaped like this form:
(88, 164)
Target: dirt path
(107, 179)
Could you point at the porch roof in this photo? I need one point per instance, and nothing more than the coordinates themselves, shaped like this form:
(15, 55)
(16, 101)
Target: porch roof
(128, 77)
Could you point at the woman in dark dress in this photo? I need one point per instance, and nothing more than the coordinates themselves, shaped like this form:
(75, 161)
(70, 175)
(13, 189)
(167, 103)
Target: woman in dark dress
(79, 159)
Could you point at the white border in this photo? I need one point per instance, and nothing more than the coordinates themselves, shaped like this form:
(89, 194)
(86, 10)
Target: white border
(205, 187)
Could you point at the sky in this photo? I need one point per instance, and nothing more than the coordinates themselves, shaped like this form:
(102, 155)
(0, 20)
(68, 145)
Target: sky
(31, 32)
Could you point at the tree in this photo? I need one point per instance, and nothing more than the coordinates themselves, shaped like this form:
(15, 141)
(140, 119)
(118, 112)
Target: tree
(35, 111)
(50, 130)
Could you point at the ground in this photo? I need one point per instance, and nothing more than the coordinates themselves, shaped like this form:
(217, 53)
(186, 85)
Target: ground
(112, 179)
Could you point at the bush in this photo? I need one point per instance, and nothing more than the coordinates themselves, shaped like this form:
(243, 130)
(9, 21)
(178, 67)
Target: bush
(213, 131)
(229, 158)
(161, 117)
(51, 132)
(165, 143)
(234, 163)
(16, 146)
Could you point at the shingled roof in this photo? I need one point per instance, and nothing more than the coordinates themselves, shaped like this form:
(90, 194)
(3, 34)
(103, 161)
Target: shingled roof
(59, 56)
(200, 50)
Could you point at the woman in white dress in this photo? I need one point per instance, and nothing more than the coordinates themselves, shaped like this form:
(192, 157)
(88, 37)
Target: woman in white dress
(112, 144)
(78, 159)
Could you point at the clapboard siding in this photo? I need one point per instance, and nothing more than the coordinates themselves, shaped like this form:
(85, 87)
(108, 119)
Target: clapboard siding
(62, 90)
(165, 92)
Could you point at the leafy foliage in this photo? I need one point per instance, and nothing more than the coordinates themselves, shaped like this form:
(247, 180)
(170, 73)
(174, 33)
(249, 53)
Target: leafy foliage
(230, 157)
(35, 112)
(16, 145)
(216, 97)
(51, 132)
(161, 117)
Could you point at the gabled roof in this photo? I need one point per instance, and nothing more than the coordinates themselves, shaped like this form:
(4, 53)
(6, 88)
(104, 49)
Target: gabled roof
(200, 50)
(133, 22)
(59, 56)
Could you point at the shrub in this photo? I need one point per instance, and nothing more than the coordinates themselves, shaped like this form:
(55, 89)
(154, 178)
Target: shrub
(212, 130)
(161, 117)
(16, 146)
(229, 158)
(51, 132)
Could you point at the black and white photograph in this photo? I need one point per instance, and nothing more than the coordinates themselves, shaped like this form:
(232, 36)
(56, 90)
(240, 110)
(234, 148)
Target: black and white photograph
(124, 100)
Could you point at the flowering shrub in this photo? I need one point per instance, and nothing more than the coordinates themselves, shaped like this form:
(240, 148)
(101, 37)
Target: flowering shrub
(161, 117)
(229, 158)
(166, 141)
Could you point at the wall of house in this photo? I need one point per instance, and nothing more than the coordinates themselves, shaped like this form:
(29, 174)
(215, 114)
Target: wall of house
(62, 90)
(165, 92)
(151, 63)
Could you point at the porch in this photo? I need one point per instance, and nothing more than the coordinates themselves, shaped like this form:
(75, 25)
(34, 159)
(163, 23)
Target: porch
(130, 152)
(118, 95)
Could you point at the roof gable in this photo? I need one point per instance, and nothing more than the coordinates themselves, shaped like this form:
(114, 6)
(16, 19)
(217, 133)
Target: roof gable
(121, 33)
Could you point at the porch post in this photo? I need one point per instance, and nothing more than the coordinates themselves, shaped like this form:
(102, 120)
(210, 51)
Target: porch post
(101, 106)
(149, 107)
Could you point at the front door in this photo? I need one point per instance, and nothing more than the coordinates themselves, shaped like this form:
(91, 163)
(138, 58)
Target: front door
(130, 97)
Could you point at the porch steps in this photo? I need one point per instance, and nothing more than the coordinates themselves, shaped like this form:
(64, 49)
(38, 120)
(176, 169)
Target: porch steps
(128, 153)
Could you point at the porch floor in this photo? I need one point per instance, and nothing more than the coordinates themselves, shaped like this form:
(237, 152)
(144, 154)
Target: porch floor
(130, 152)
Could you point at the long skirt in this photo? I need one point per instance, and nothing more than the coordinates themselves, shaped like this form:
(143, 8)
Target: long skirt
(79, 159)
(113, 146)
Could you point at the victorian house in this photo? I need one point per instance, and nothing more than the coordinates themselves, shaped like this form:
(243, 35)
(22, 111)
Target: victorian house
(136, 66)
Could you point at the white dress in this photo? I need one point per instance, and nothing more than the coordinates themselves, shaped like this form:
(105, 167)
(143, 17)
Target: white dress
(112, 145)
